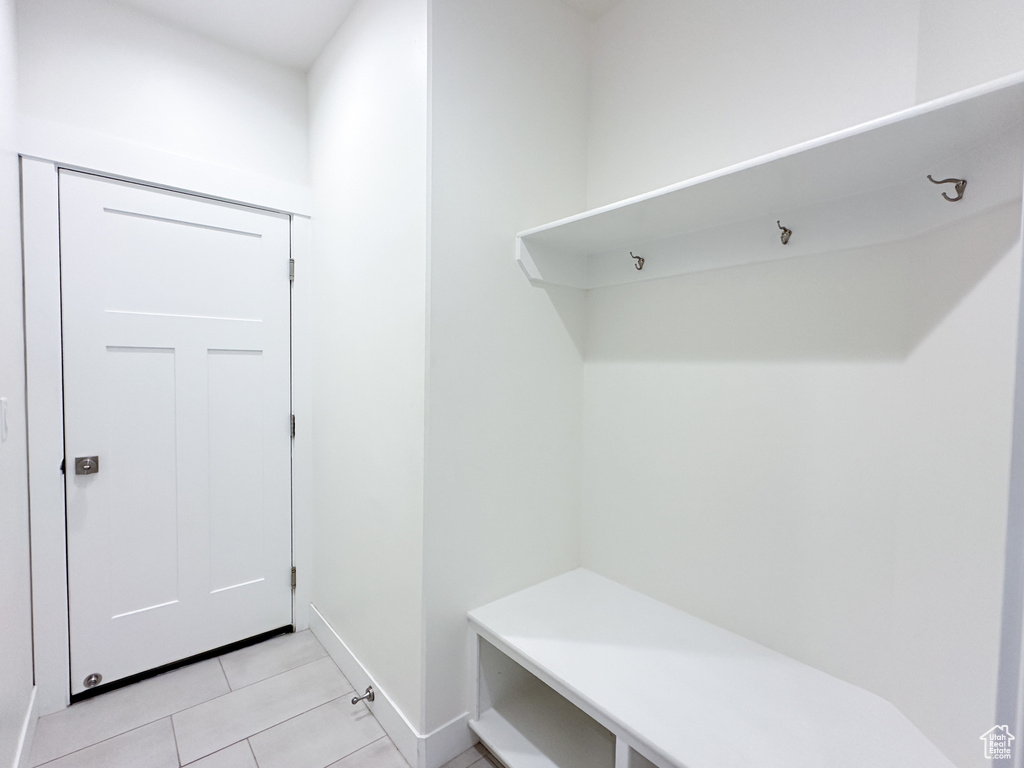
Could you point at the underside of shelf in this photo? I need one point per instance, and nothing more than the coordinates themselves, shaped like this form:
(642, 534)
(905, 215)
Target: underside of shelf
(855, 188)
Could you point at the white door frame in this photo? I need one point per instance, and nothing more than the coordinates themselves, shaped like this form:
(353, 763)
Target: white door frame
(41, 255)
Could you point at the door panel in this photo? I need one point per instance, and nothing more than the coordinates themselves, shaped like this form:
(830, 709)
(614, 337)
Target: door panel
(237, 544)
(176, 362)
(140, 496)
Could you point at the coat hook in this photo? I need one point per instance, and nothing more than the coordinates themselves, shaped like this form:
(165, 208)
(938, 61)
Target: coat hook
(785, 233)
(961, 185)
(639, 261)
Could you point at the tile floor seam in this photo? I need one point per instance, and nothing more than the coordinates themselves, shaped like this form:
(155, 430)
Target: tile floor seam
(172, 714)
(140, 725)
(299, 714)
(269, 727)
(357, 749)
(278, 674)
(224, 672)
(336, 759)
(221, 749)
(346, 693)
(383, 739)
(174, 733)
(365, 746)
(104, 741)
(295, 639)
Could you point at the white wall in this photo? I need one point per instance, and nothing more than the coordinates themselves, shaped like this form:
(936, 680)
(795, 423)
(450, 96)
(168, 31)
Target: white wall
(814, 452)
(505, 372)
(100, 69)
(368, 99)
(16, 677)
(679, 89)
(962, 44)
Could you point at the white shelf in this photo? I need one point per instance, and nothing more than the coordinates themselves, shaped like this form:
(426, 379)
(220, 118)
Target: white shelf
(508, 744)
(680, 691)
(526, 724)
(547, 719)
(861, 186)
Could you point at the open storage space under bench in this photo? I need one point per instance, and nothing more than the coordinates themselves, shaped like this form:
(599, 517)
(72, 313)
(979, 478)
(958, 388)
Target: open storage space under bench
(581, 672)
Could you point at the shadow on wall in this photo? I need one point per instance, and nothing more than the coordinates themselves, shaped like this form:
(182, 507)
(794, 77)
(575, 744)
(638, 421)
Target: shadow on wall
(876, 303)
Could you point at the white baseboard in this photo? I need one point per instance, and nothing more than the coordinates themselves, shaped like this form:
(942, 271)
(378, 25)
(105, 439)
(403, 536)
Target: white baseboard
(28, 731)
(442, 744)
(420, 751)
(389, 716)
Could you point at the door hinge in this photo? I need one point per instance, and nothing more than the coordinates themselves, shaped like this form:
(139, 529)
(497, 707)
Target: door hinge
(293, 577)
(293, 425)
(291, 270)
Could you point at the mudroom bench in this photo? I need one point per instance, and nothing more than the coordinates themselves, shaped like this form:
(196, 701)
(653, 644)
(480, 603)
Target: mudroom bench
(581, 672)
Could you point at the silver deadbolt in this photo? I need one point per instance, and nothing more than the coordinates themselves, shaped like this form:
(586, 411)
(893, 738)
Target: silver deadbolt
(87, 465)
(93, 680)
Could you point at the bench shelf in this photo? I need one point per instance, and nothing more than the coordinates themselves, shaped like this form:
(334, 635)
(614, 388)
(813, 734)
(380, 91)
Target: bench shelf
(581, 672)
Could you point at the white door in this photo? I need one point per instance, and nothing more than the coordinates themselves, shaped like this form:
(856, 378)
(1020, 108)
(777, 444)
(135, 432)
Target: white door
(176, 321)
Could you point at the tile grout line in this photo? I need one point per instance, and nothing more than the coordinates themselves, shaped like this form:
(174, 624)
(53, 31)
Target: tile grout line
(300, 714)
(220, 660)
(360, 749)
(216, 752)
(140, 725)
(109, 738)
(357, 749)
(257, 646)
(253, 753)
(174, 733)
(281, 722)
(171, 715)
(183, 709)
(365, 746)
(215, 698)
(271, 677)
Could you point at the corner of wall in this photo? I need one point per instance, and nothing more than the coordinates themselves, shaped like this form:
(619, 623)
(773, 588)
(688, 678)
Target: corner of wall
(368, 145)
(508, 133)
(17, 705)
(23, 753)
(420, 750)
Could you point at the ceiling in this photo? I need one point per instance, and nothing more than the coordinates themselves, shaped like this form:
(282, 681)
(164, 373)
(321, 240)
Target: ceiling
(288, 32)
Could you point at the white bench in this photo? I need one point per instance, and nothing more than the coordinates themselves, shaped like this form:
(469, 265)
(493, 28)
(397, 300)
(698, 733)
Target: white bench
(581, 672)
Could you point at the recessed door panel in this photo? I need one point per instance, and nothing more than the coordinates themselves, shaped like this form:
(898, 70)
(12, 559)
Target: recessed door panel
(237, 464)
(137, 487)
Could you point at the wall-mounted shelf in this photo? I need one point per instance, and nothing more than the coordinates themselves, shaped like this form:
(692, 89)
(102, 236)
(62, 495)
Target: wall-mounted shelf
(858, 187)
(581, 672)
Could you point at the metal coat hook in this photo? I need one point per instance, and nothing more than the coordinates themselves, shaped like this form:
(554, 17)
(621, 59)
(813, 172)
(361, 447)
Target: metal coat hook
(961, 185)
(639, 261)
(784, 237)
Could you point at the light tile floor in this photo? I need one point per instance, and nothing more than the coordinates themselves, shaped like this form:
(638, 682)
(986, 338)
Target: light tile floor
(280, 704)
